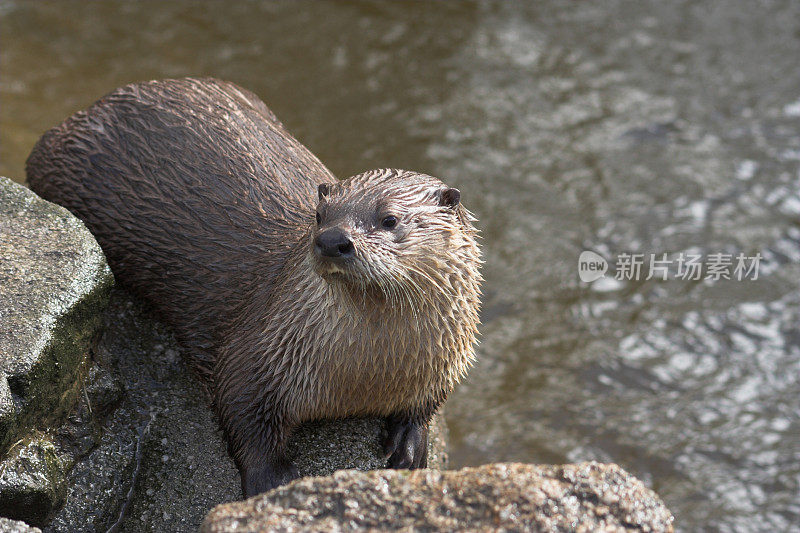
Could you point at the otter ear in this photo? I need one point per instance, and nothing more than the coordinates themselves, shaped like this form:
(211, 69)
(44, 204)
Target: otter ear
(450, 197)
(323, 190)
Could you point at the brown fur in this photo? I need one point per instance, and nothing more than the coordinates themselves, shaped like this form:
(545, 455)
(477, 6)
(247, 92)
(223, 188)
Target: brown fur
(205, 206)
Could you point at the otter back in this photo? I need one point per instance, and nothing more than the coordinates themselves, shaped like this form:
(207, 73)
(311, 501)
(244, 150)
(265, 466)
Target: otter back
(193, 189)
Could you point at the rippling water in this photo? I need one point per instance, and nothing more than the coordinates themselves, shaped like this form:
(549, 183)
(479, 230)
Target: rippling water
(619, 127)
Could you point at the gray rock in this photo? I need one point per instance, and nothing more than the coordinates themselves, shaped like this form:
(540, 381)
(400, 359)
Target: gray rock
(15, 526)
(32, 482)
(160, 463)
(321, 448)
(54, 281)
(579, 497)
(104, 390)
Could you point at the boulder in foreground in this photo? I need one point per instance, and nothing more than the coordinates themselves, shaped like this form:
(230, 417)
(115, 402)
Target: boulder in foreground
(577, 497)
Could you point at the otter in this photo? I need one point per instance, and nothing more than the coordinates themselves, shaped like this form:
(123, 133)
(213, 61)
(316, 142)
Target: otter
(296, 296)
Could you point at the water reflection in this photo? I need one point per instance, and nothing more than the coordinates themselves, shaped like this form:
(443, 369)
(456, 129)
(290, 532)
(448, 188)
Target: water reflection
(620, 126)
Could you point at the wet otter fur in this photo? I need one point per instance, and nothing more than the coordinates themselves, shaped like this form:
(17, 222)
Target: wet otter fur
(296, 296)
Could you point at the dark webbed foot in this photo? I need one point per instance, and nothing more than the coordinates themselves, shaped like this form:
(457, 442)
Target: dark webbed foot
(256, 480)
(406, 445)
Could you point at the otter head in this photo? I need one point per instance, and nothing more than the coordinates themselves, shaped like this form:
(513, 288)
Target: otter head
(394, 232)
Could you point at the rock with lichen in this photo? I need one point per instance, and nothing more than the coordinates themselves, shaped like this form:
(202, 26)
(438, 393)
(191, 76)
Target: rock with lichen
(54, 284)
(32, 482)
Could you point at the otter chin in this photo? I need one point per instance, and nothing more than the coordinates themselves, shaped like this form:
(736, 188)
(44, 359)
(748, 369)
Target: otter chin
(296, 296)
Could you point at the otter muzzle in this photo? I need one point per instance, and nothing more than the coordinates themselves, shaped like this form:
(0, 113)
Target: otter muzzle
(334, 242)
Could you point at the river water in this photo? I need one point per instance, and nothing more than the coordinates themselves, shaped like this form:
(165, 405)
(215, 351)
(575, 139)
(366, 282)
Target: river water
(621, 127)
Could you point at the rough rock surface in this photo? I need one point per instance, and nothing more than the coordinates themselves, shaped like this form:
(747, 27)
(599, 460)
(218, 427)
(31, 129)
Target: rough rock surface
(15, 526)
(579, 497)
(32, 483)
(54, 283)
(157, 461)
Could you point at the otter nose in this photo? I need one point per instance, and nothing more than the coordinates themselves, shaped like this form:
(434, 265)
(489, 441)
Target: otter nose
(334, 243)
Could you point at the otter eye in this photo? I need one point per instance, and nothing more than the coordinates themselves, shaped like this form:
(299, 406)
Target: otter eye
(389, 222)
(319, 218)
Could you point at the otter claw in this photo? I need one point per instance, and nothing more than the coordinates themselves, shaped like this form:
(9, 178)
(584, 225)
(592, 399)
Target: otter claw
(406, 445)
(256, 480)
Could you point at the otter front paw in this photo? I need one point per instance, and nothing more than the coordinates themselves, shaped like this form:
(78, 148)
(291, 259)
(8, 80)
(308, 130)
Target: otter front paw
(407, 443)
(256, 480)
